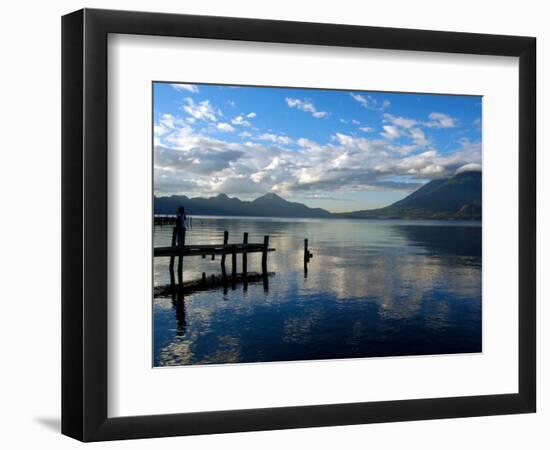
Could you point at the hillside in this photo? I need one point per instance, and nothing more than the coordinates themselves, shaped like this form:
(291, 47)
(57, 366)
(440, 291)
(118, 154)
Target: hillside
(458, 197)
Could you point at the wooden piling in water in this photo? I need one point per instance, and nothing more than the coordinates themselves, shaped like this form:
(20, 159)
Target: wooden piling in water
(225, 240)
(245, 257)
(234, 265)
(307, 256)
(264, 254)
(171, 266)
(181, 245)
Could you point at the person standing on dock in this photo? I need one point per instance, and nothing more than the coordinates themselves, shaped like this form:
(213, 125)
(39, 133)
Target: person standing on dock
(181, 220)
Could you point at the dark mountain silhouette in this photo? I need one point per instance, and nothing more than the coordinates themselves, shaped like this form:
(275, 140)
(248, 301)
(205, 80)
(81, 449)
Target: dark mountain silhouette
(458, 197)
(268, 205)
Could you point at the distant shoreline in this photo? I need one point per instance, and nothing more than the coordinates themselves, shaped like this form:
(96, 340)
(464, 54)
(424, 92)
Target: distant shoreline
(334, 217)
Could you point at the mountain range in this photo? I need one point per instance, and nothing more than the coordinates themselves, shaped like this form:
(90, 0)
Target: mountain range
(267, 205)
(457, 197)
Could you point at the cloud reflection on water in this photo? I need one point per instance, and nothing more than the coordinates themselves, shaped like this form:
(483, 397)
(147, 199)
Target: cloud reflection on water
(373, 288)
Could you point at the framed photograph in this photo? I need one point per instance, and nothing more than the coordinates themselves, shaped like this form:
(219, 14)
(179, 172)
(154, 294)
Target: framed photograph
(273, 224)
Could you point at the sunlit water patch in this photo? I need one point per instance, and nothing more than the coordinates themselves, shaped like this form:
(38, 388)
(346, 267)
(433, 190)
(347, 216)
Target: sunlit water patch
(373, 288)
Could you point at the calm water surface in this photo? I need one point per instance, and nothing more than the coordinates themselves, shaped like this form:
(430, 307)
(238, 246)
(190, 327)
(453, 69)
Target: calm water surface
(373, 288)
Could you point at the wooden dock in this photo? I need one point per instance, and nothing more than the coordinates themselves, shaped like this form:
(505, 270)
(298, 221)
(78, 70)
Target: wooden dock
(211, 249)
(179, 249)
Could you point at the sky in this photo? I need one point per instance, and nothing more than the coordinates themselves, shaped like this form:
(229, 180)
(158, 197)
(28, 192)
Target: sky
(335, 149)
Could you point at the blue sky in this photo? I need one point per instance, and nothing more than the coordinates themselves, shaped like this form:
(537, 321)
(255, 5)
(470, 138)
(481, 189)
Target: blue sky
(335, 149)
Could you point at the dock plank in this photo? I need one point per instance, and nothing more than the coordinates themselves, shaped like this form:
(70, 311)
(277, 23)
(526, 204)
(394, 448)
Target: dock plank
(214, 250)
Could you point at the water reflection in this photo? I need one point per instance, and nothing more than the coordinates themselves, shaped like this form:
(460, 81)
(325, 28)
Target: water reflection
(374, 288)
(178, 303)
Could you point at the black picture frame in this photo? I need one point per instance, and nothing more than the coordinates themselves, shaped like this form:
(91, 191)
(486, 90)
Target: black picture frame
(84, 224)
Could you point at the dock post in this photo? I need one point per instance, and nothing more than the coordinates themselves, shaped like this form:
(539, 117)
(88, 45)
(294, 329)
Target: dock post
(245, 257)
(171, 266)
(264, 254)
(234, 265)
(225, 239)
(181, 245)
(307, 256)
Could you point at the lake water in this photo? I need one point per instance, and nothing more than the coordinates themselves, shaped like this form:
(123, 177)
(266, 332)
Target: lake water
(373, 288)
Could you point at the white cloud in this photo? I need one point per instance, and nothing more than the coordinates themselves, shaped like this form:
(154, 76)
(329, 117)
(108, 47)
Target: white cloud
(436, 120)
(369, 102)
(361, 99)
(186, 87)
(166, 124)
(279, 139)
(200, 111)
(251, 115)
(225, 127)
(241, 121)
(197, 161)
(307, 143)
(239, 184)
(344, 139)
(367, 129)
(192, 163)
(306, 106)
(355, 122)
(169, 182)
(440, 120)
(418, 136)
(400, 121)
(404, 126)
(471, 167)
(420, 164)
(390, 132)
